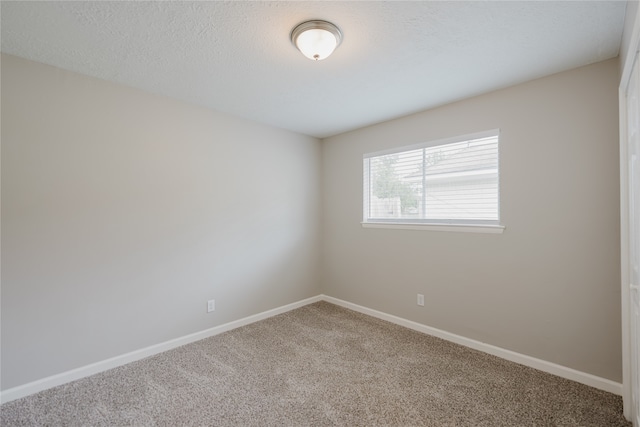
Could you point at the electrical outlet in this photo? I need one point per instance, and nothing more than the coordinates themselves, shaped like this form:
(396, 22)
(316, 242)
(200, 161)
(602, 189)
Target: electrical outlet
(421, 300)
(211, 305)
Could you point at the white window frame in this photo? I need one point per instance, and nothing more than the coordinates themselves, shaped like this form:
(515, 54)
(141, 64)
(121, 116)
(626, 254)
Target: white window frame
(474, 226)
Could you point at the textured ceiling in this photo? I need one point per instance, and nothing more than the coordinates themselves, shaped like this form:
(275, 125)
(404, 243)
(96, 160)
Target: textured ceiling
(396, 57)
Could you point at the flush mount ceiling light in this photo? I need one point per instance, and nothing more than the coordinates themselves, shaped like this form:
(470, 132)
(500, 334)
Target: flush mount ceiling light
(316, 39)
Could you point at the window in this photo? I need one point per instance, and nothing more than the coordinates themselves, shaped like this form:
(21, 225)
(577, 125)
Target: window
(452, 182)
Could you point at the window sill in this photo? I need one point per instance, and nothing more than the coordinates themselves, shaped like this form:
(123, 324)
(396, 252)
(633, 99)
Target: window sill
(463, 228)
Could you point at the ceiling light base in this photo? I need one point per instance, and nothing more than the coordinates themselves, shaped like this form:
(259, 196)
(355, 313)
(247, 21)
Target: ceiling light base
(316, 39)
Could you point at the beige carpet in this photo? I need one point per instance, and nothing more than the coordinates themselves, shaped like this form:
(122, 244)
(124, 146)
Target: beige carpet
(320, 365)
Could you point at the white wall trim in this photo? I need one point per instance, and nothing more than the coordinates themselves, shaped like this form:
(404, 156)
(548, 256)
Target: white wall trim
(532, 362)
(104, 365)
(463, 228)
(625, 300)
(95, 368)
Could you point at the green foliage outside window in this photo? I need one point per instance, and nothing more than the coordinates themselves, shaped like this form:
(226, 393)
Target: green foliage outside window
(387, 184)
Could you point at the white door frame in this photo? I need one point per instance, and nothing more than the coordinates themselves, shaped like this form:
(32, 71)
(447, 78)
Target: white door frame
(634, 47)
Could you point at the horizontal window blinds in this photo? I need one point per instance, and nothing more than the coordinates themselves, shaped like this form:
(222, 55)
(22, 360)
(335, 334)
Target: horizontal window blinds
(452, 182)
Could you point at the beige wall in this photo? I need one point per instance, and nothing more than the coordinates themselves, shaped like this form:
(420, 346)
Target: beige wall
(549, 287)
(124, 212)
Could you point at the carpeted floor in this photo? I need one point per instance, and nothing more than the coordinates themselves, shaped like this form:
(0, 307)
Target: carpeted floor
(320, 365)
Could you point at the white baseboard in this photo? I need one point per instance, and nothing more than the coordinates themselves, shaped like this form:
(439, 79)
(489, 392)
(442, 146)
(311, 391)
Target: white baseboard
(104, 365)
(532, 362)
(94, 368)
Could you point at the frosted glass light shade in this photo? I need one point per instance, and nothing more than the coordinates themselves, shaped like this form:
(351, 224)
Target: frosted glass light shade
(316, 39)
